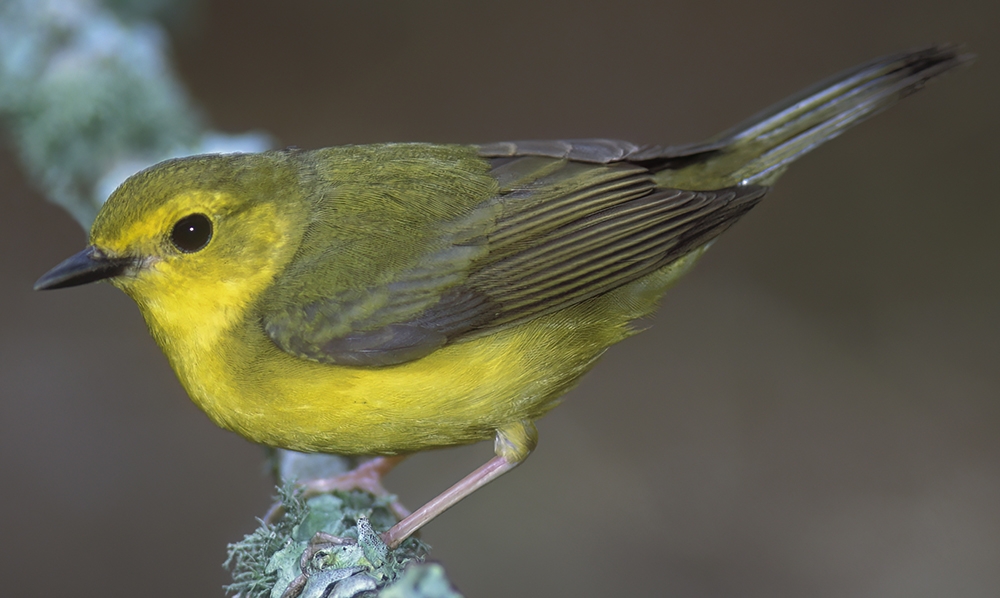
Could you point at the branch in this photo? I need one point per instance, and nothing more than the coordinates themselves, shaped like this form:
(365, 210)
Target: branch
(88, 98)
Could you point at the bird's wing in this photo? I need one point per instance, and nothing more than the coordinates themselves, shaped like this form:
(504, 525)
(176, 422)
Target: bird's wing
(567, 221)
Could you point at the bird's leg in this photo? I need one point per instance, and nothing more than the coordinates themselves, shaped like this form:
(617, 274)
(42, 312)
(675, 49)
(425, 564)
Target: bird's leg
(512, 445)
(367, 477)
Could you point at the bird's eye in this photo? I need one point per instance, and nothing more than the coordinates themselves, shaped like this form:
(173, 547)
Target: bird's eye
(191, 233)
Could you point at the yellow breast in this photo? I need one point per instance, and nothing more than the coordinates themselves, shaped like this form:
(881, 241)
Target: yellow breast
(459, 394)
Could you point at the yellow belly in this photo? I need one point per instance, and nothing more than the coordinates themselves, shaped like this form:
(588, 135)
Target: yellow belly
(459, 394)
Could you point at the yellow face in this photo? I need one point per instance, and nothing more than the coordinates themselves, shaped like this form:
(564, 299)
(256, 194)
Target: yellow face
(201, 257)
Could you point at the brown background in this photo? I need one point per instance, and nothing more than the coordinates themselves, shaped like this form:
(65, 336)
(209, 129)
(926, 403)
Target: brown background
(815, 412)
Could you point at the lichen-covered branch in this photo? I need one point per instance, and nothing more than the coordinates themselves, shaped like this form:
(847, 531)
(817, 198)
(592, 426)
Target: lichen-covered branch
(87, 98)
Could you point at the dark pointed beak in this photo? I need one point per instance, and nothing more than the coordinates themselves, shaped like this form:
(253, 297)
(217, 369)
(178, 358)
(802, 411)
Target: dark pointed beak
(89, 265)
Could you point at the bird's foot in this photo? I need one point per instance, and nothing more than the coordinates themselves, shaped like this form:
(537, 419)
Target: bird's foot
(366, 477)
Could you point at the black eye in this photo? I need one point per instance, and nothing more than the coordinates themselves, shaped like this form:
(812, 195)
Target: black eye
(192, 233)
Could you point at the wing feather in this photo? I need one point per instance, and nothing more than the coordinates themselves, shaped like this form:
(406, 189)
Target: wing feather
(570, 220)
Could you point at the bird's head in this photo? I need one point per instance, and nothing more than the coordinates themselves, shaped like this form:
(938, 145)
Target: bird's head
(189, 235)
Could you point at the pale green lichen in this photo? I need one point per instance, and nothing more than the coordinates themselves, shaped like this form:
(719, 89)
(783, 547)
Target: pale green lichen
(345, 556)
(425, 580)
(88, 97)
(249, 558)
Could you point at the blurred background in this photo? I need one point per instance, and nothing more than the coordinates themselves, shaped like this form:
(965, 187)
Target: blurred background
(815, 411)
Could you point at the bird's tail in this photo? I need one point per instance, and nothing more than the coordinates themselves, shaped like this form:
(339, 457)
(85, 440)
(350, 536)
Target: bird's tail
(759, 149)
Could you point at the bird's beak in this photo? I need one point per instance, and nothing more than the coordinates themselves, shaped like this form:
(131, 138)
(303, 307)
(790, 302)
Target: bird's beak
(89, 265)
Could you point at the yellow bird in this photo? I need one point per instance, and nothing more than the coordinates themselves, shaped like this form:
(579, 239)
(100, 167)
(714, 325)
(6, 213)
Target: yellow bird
(387, 299)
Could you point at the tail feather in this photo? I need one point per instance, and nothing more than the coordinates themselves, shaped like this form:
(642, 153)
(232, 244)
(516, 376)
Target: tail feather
(758, 150)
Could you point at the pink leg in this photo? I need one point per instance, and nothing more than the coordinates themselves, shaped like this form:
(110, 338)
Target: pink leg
(367, 477)
(494, 468)
(513, 444)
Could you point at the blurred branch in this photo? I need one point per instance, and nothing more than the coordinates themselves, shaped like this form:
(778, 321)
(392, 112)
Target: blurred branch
(88, 98)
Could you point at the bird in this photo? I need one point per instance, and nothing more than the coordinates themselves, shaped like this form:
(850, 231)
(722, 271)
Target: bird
(391, 298)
